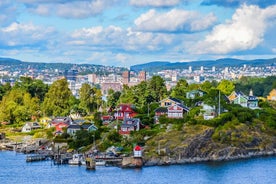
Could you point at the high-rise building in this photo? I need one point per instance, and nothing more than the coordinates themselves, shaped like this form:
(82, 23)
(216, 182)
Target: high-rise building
(190, 69)
(213, 69)
(92, 78)
(142, 76)
(126, 77)
(71, 75)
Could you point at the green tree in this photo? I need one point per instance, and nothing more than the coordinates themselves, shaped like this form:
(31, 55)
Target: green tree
(206, 86)
(57, 99)
(158, 88)
(33, 86)
(180, 90)
(18, 106)
(226, 87)
(90, 98)
(4, 89)
(112, 98)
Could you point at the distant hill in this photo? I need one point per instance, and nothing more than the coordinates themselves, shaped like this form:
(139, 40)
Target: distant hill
(226, 62)
(6, 61)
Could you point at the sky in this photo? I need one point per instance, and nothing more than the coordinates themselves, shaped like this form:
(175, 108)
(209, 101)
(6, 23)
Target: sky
(128, 32)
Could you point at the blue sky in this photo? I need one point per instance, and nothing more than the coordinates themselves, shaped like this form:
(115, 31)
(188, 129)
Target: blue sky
(128, 32)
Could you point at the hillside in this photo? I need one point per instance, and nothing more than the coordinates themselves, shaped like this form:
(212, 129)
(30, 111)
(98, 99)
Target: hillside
(226, 62)
(193, 143)
(9, 61)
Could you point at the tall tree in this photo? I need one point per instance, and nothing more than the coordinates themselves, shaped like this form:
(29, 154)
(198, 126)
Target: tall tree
(33, 86)
(18, 106)
(90, 98)
(57, 99)
(226, 87)
(112, 98)
(157, 88)
(180, 90)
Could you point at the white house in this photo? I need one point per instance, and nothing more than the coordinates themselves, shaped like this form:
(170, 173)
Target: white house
(29, 126)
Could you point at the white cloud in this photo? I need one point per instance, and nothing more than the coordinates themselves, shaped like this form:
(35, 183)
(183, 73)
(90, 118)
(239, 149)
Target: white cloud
(69, 8)
(154, 3)
(174, 21)
(244, 31)
(116, 38)
(24, 34)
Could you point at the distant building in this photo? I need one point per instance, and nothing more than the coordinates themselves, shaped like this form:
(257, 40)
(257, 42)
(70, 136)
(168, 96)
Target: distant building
(198, 78)
(116, 86)
(92, 78)
(126, 77)
(174, 77)
(142, 76)
(202, 69)
(213, 69)
(71, 74)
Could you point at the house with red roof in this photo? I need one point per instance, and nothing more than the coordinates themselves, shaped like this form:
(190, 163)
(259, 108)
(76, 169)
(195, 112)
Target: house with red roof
(124, 111)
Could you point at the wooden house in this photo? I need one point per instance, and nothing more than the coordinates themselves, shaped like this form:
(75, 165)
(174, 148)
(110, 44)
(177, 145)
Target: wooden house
(208, 112)
(29, 126)
(125, 111)
(195, 93)
(72, 129)
(59, 126)
(240, 98)
(131, 124)
(177, 111)
(89, 127)
(169, 101)
(272, 95)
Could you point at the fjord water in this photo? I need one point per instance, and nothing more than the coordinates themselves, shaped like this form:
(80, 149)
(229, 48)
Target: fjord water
(14, 169)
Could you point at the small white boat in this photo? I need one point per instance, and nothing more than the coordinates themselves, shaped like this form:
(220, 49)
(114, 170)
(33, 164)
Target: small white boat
(78, 159)
(100, 163)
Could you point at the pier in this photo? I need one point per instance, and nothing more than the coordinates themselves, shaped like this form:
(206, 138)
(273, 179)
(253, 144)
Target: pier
(33, 158)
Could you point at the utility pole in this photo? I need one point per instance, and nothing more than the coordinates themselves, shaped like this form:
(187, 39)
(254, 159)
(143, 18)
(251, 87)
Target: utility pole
(219, 104)
(148, 109)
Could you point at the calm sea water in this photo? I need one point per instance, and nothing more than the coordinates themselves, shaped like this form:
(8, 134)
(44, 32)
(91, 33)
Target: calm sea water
(14, 169)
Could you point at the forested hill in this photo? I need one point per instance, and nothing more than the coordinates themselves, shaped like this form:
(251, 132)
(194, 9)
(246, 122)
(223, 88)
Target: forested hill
(159, 65)
(9, 61)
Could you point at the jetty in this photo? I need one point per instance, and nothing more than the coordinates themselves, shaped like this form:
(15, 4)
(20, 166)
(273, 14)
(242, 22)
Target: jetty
(33, 158)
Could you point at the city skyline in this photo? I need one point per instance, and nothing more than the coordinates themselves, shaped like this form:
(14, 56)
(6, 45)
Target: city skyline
(128, 32)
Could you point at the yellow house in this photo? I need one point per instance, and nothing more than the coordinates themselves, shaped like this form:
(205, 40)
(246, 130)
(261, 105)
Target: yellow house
(232, 96)
(169, 101)
(272, 95)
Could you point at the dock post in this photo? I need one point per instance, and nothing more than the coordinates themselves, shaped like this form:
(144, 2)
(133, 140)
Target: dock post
(90, 163)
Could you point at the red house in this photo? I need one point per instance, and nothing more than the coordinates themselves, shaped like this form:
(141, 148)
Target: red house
(124, 111)
(177, 111)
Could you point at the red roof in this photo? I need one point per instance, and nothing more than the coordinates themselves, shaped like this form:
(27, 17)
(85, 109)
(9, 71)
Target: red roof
(125, 108)
(137, 148)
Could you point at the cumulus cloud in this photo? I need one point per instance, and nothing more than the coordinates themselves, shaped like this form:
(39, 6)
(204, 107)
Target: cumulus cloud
(17, 35)
(174, 21)
(68, 8)
(155, 3)
(244, 31)
(234, 3)
(118, 39)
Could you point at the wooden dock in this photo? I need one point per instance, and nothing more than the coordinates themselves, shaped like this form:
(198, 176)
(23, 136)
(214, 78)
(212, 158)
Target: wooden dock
(33, 158)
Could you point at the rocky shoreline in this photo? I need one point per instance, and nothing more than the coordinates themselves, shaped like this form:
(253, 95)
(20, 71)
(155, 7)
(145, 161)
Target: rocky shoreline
(165, 160)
